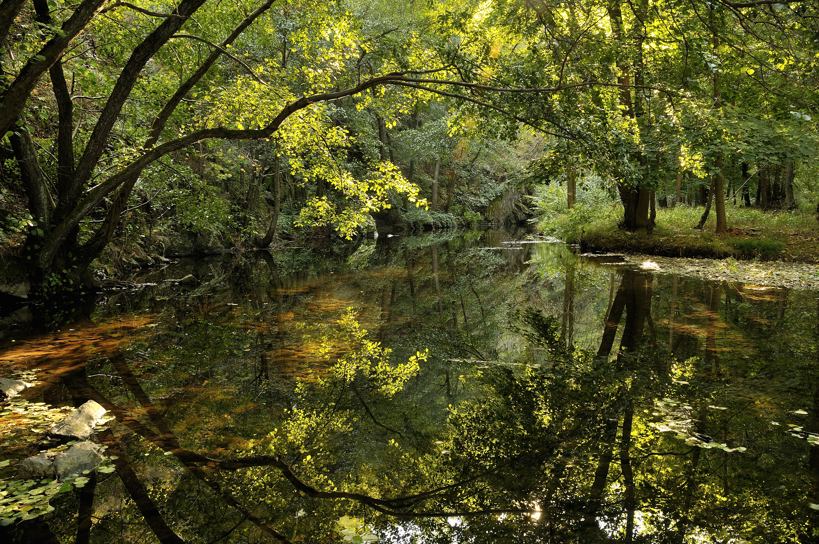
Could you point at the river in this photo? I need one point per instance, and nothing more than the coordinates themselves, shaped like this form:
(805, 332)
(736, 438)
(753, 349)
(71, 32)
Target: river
(450, 388)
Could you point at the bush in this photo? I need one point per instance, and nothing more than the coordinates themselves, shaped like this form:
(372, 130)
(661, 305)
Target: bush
(420, 219)
(758, 247)
(472, 218)
(593, 204)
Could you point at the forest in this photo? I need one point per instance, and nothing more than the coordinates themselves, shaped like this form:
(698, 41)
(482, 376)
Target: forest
(134, 132)
(409, 272)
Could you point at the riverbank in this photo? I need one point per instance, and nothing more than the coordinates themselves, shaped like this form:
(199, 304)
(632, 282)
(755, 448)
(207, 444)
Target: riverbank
(753, 234)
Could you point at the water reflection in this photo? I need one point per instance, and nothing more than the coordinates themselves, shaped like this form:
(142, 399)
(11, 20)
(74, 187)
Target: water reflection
(285, 399)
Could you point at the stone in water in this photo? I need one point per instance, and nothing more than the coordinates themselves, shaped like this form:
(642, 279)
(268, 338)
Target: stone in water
(80, 423)
(79, 457)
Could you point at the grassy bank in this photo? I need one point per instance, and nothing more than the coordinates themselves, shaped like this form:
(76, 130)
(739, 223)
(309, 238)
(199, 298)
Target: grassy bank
(753, 234)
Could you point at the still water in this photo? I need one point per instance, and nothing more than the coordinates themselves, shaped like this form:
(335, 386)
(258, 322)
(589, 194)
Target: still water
(427, 390)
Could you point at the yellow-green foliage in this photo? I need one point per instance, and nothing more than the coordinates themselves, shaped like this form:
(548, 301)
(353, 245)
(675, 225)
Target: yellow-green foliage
(315, 148)
(364, 366)
(362, 197)
(370, 360)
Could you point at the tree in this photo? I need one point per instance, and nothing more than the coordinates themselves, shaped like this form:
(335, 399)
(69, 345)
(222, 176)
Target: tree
(95, 177)
(631, 86)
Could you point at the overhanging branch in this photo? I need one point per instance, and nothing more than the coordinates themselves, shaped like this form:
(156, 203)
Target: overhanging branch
(404, 78)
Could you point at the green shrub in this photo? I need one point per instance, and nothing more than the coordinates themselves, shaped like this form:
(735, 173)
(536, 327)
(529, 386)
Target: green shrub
(758, 247)
(593, 205)
(472, 218)
(419, 219)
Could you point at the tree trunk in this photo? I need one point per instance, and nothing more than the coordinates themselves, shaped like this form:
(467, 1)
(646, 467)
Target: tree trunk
(718, 183)
(636, 205)
(270, 234)
(636, 200)
(567, 324)
(719, 199)
(746, 191)
(385, 148)
(678, 188)
(762, 187)
(435, 184)
(630, 500)
(15, 94)
(707, 211)
(571, 186)
(790, 173)
(571, 189)
(775, 191)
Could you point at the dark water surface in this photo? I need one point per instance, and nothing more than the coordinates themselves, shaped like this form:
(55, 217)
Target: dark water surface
(424, 389)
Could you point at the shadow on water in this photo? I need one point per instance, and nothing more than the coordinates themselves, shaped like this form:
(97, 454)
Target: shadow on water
(425, 389)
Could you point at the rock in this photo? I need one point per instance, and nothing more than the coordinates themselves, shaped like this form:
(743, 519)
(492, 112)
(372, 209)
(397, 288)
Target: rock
(36, 467)
(11, 388)
(14, 292)
(78, 458)
(80, 423)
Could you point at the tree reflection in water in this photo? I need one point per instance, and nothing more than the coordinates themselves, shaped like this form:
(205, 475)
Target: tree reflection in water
(261, 410)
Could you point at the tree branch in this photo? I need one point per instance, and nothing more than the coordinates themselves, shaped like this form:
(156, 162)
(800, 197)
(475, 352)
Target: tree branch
(8, 12)
(65, 112)
(481, 103)
(161, 120)
(39, 198)
(757, 3)
(122, 89)
(129, 173)
(143, 11)
(223, 51)
(13, 98)
(105, 233)
(391, 507)
(95, 195)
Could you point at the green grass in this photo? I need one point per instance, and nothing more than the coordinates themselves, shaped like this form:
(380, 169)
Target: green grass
(789, 236)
